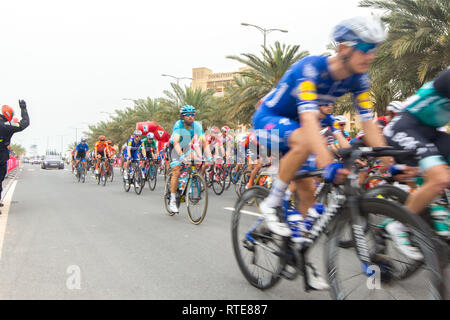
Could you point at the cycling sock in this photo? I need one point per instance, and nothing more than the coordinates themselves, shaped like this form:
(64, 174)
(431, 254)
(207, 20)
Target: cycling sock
(173, 197)
(276, 193)
(287, 195)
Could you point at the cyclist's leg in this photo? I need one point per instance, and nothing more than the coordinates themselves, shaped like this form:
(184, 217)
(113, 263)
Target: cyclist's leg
(288, 135)
(432, 155)
(256, 167)
(176, 171)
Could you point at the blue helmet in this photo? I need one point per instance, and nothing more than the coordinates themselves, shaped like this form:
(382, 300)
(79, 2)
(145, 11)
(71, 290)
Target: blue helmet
(187, 109)
(360, 29)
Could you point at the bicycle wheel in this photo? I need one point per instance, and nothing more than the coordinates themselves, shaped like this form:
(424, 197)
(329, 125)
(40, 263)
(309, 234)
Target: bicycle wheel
(374, 181)
(351, 279)
(111, 173)
(259, 253)
(103, 174)
(83, 175)
(218, 181)
(78, 174)
(126, 182)
(228, 177)
(139, 180)
(197, 199)
(152, 176)
(166, 195)
(243, 182)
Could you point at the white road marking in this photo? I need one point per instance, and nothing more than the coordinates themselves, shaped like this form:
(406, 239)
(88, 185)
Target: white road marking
(245, 211)
(4, 215)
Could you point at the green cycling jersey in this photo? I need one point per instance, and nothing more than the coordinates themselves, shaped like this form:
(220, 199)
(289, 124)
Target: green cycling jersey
(429, 107)
(147, 144)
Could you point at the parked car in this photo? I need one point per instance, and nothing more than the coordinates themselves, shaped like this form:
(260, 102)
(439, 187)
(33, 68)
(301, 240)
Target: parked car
(36, 161)
(52, 161)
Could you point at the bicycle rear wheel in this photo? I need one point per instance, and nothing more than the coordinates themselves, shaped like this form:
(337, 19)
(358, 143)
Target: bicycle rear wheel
(197, 199)
(349, 278)
(260, 254)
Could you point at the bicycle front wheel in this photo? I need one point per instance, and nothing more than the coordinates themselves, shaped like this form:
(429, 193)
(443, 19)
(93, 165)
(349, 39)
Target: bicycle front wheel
(197, 199)
(166, 195)
(139, 181)
(260, 254)
(349, 278)
(218, 181)
(152, 176)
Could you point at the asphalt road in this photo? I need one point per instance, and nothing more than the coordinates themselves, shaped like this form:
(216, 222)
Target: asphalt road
(67, 240)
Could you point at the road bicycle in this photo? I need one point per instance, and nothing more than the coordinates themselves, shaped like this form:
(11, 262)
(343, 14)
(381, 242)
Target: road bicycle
(264, 258)
(81, 171)
(151, 169)
(192, 189)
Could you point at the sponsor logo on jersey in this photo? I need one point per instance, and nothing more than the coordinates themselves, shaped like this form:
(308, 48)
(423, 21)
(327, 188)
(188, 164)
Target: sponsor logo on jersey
(363, 100)
(307, 91)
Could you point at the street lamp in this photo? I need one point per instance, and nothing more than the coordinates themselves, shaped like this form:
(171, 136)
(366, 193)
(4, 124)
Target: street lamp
(176, 78)
(263, 30)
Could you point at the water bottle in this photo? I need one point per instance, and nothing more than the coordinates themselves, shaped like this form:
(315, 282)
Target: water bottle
(182, 181)
(441, 220)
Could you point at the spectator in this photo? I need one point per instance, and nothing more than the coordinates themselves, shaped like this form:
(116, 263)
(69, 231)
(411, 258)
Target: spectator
(6, 132)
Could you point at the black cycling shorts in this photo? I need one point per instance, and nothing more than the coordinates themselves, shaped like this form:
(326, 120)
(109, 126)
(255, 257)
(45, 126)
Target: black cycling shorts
(407, 133)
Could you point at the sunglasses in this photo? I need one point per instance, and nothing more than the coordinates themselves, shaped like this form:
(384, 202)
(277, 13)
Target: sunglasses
(365, 47)
(189, 114)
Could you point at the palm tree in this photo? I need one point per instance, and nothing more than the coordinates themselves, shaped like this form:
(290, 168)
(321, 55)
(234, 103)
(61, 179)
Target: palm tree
(254, 83)
(417, 47)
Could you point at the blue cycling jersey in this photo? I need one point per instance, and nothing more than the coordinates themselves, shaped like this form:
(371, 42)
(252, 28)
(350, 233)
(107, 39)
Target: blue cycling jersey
(180, 130)
(82, 147)
(308, 84)
(305, 86)
(133, 144)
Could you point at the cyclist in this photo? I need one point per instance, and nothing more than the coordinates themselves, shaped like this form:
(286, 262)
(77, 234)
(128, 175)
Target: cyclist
(81, 152)
(417, 128)
(227, 141)
(149, 146)
(6, 133)
(100, 151)
(289, 112)
(132, 151)
(183, 134)
(251, 146)
(340, 123)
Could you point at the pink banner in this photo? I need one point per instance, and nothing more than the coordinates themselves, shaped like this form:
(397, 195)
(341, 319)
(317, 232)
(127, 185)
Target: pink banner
(13, 163)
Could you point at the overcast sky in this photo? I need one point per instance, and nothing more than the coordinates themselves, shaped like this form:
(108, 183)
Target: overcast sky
(73, 60)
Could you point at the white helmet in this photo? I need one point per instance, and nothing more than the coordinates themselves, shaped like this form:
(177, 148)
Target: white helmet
(341, 119)
(150, 135)
(360, 29)
(137, 133)
(395, 106)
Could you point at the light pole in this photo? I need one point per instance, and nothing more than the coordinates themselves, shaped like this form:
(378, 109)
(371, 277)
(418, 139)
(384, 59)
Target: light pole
(62, 143)
(263, 30)
(176, 78)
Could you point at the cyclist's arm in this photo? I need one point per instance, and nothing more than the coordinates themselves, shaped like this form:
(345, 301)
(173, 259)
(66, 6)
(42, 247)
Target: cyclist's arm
(307, 108)
(343, 142)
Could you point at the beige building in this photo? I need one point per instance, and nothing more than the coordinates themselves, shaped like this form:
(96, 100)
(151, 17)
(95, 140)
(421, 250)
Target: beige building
(204, 79)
